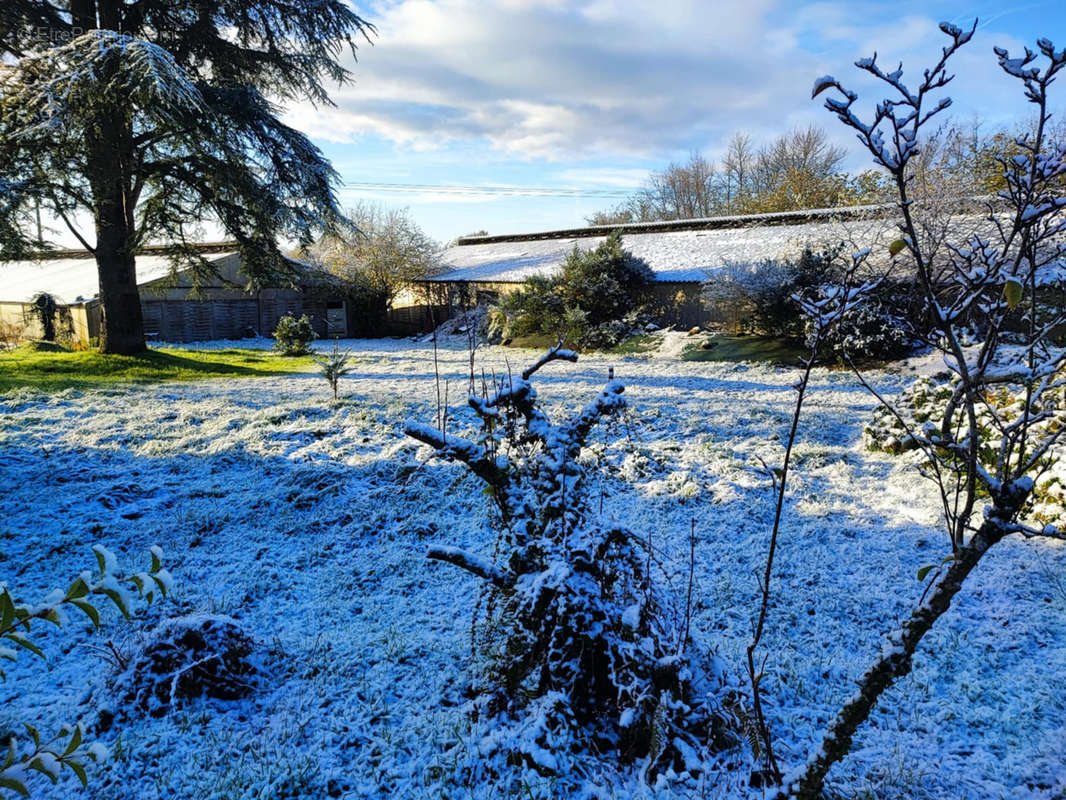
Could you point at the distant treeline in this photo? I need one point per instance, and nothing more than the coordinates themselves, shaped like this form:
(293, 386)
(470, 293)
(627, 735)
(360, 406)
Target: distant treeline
(801, 169)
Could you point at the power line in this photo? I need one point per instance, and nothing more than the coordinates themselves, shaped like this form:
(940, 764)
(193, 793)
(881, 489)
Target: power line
(491, 191)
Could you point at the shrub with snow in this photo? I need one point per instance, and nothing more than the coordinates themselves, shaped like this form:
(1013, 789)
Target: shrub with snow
(921, 409)
(755, 296)
(587, 654)
(594, 302)
(869, 332)
(760, 297)
(292, 336)
(200, 655)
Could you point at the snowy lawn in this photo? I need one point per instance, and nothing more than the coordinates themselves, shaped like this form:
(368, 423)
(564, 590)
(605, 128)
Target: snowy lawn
(308, 522)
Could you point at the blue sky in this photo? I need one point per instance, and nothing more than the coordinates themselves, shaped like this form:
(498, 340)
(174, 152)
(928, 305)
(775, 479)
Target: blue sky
(590, 96)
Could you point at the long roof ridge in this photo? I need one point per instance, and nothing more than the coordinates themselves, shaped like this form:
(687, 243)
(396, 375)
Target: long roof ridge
(799, 217)
(204, 248)
(696, 224)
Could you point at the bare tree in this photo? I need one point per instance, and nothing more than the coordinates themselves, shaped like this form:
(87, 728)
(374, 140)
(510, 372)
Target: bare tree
(799, 169)
(802, 150)
(738, 169)
(385, 254)
(684, 191)
(1006, 410)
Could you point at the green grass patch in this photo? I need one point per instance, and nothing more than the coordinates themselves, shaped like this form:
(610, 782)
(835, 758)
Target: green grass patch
(33, 368)
(641, 344)
(634, 345)
(535, 341)
(747, 348)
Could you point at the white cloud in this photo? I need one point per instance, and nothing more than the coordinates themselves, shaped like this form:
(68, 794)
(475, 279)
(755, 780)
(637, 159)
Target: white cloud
(565, 81)
(610, 177)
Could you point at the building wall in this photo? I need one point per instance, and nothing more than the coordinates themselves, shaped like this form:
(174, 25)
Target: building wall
(85, 323)
(79, 325)
(13, 319)
(192, 320)
(175, 309)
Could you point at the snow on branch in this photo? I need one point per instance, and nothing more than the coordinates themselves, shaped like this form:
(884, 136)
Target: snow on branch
(473, 563)
(609, 401)
(493, 470)
(557, 353)
(582, 639)
(51, 88)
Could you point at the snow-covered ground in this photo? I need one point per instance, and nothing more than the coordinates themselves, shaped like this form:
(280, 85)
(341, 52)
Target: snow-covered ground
(308, 522)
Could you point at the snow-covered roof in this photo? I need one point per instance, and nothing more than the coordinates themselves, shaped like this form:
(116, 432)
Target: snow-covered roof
(673, 255)
(72, 279)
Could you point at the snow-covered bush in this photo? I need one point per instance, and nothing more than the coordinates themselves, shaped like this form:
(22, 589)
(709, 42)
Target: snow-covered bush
(593, 303)
(535, 307)
(605, 282)
(587, 654)
(917, 414)
(754, 297)
(18, 623)
(201, 655)
(760, 297)
(869, 332)
(889, 321)
(293, 336)
(611, 334)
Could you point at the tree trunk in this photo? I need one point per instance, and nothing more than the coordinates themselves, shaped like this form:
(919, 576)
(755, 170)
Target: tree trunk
(109, 147)
(122, 331)
(806, 783)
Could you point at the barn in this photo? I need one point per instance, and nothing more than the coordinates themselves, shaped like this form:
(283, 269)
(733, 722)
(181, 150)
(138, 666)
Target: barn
(174, 309)
(683, 254)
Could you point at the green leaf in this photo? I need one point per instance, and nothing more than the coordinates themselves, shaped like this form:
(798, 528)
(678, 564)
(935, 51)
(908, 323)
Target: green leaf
(157, 557)
(101, 558)
(948, 560)
(38, 765)
(1012, 292)
(119, 601)
(7, 609)
(14, 785)
(75, 740)
(896, 247)
(23, 642)
(32, 731)
(77, 589)
(89, 610)
(162, 584)
(78, 770)
(9, 759)
(923, 571)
